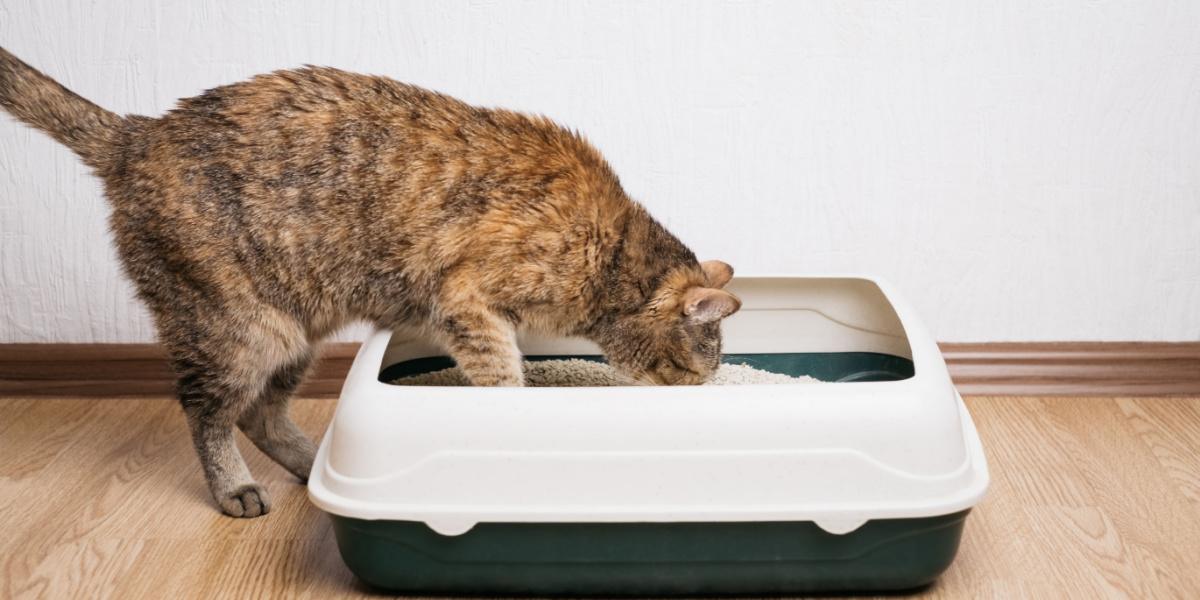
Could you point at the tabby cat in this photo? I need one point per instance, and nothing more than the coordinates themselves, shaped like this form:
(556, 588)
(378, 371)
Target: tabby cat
(257, 218)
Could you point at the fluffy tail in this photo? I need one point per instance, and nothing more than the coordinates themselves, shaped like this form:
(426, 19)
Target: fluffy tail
(30, 96)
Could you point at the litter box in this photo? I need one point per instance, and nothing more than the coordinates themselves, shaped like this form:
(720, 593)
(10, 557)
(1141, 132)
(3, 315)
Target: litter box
(861, 482)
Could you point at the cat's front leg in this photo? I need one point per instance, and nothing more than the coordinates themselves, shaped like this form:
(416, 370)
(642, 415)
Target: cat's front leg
(484, 345)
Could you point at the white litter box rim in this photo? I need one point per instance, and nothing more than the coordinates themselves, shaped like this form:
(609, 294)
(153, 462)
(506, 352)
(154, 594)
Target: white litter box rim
(969, 477)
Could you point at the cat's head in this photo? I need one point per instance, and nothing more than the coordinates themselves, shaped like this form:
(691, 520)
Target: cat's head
(675, 337)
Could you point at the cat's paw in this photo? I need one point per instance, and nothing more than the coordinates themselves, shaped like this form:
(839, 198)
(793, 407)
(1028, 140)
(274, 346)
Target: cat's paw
(247, 501)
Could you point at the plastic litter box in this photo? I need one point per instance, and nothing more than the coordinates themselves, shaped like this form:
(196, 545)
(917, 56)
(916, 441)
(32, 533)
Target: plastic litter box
(861, 482)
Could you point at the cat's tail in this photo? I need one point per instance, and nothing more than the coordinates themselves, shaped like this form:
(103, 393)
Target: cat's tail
(34, 98)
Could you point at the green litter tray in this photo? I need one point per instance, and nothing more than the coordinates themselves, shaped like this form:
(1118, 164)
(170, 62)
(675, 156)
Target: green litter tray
(862, 482)
(649, 559)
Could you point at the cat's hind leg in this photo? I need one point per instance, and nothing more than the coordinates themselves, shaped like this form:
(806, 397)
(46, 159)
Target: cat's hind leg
(269, 426)
(224, 364)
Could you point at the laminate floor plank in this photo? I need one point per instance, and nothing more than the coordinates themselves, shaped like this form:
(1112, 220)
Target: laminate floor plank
(103, 498)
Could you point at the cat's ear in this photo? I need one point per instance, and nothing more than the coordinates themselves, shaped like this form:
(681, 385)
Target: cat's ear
(717, 273)
(703, 305)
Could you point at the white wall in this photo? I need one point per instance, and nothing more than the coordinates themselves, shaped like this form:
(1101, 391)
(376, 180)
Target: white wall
(1025, 170)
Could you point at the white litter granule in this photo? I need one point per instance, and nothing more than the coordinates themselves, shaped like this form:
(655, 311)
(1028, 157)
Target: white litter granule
(573, 372)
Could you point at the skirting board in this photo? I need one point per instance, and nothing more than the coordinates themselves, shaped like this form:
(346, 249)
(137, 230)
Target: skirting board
(1009, 368)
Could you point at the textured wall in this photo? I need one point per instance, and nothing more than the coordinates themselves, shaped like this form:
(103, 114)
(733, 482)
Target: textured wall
(1025, 170)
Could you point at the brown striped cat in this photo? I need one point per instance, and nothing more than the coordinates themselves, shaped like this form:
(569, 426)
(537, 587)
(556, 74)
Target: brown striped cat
(259, 217)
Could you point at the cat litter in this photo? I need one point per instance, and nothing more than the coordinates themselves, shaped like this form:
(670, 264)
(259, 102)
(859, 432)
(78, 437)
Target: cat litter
(574, 372)
(859, 481)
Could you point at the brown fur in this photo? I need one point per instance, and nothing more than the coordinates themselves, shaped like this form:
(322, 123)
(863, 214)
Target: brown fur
(258, 217)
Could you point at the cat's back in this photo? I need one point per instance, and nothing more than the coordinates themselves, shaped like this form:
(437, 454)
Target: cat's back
(320, 125)
(313, 108)
(321, 107)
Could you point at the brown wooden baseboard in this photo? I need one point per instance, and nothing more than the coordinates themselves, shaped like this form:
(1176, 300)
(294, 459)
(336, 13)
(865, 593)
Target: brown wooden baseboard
(1010, 368)
(128, 370)
(1075, 368)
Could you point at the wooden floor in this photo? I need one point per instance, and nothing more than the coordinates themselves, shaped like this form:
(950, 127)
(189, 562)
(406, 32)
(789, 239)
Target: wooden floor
(1090, 497)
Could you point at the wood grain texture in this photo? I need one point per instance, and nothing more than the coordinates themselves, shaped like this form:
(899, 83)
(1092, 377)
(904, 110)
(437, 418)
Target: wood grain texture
(1055, 368)
(1090, 498)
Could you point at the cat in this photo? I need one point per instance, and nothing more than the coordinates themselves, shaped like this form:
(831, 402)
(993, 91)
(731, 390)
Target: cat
(257, 218)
